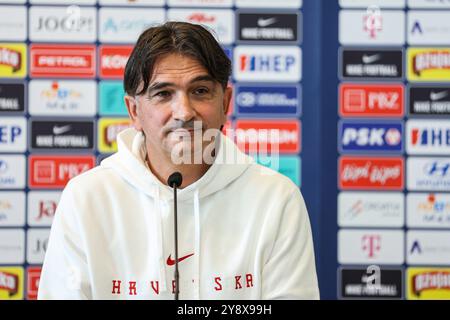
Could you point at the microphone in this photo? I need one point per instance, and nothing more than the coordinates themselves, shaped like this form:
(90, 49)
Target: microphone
(174, 181)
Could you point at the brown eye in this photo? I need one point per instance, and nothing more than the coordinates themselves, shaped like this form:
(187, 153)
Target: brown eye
(201, 91)
(162, 94)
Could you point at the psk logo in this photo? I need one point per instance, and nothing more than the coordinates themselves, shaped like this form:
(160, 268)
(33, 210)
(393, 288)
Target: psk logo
(373, 21)
(437, 169)
(393, 137)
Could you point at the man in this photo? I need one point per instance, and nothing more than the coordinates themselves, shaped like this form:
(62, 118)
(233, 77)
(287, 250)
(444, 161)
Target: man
(243, 229)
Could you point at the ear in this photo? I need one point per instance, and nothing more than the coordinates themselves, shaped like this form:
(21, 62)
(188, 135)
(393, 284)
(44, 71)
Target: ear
(227, 95)
(132, 107)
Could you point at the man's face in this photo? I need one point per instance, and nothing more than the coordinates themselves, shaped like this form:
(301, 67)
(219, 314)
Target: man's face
(180, 92)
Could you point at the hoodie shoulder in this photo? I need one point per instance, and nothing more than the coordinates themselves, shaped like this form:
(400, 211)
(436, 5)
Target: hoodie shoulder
(92, 179)
(264, 177)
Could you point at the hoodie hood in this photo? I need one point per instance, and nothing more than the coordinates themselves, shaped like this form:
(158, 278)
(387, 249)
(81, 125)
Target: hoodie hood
(129, 163)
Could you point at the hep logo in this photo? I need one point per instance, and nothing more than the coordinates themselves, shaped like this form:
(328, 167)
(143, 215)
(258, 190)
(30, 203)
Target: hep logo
(266, 63)
(430, 137)
(371, 244)
(9, 134)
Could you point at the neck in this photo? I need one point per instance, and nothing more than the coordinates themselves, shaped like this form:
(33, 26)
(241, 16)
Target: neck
(163, 167)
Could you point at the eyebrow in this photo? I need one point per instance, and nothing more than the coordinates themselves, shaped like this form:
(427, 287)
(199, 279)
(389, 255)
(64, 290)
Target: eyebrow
(160, 85)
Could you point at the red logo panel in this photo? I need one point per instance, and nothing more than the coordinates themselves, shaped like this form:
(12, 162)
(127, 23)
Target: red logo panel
(371, 173)
(33, 276)
(55, 171)
(67, 61)
(252, 135)
(113, 60)
(370, 100)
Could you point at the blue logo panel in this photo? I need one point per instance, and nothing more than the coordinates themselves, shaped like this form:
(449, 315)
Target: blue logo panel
(268, 101)
(370, 136)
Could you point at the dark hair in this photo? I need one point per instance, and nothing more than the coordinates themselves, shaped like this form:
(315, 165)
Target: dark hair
(174, 37)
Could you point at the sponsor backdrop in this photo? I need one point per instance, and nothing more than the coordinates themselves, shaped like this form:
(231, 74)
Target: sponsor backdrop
(61, 99)
(393, 149)
(372, 73)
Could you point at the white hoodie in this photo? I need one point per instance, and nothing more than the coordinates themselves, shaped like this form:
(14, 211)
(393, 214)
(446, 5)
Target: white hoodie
(243, 233)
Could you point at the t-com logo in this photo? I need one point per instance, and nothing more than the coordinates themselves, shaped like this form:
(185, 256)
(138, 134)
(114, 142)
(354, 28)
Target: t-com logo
(275, 64)
(372, 173)
(113, 60)
(55, 171)
(359, 246)
(372, 27)
(371, 100)
(269, 136)
(428, 137)
(68, 61)
(370, 137)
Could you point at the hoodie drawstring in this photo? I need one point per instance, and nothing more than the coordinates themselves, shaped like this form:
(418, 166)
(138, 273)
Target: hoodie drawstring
(197, 239)
(160, 248)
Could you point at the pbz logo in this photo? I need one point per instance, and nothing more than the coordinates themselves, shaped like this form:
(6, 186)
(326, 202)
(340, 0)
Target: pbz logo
(361, 136)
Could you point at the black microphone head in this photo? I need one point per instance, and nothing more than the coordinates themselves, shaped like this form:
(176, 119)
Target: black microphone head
(175, 179)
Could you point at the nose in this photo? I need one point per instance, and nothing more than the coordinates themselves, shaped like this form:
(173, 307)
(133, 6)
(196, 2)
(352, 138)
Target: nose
(182, 108)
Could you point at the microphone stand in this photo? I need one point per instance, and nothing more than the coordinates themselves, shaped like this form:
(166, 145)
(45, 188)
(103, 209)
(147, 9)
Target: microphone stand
(175, 180)
(177, 275)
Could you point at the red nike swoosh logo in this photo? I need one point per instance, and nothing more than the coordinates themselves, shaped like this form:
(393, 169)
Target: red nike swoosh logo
(171, 262)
